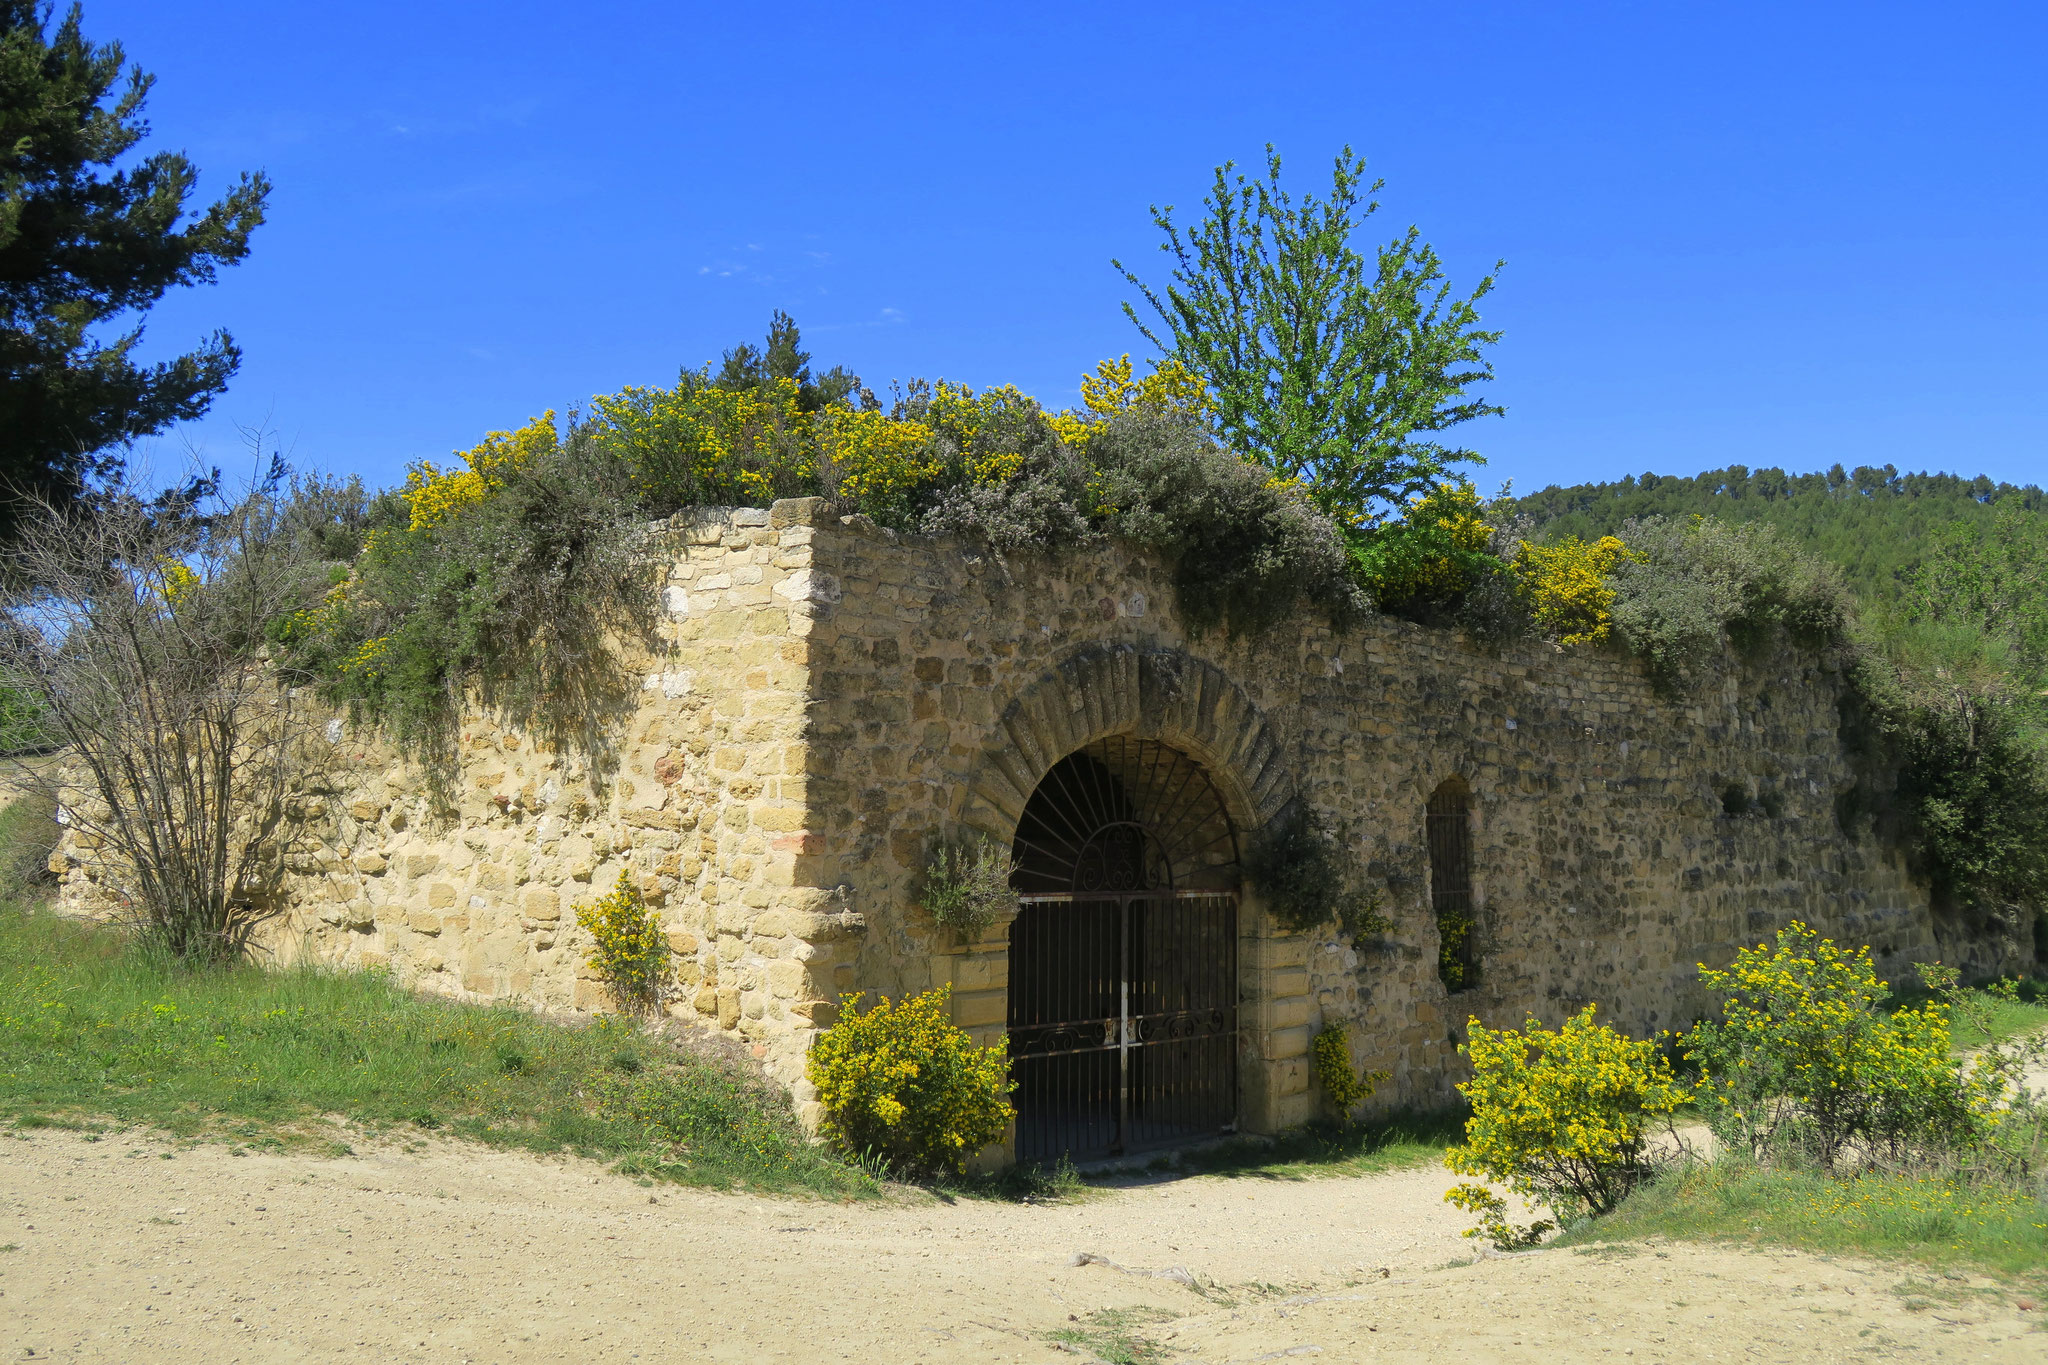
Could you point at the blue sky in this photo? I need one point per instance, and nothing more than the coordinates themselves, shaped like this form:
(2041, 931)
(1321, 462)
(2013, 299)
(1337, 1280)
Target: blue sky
(1766, 234)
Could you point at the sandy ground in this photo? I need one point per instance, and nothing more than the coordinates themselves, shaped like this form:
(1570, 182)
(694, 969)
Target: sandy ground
(135, 1248)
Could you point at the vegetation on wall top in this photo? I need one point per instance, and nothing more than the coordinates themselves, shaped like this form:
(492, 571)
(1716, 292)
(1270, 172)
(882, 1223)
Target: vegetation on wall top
(505, 575)
(1285, 454)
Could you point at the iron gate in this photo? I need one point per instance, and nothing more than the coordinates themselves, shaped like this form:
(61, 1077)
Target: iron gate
(1123, 957)
(1124, 1035)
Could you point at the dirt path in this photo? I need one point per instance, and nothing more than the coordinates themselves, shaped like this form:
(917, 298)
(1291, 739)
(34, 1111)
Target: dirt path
(132, 1248)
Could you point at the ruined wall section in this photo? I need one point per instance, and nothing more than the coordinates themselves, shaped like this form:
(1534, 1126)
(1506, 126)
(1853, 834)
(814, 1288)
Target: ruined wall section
(706, 813)
(827, 698)
(1605, 865)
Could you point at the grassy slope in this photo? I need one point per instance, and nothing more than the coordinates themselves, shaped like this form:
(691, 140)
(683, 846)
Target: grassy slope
(1993, 1227)
(91, 1028)
(1997, 1227)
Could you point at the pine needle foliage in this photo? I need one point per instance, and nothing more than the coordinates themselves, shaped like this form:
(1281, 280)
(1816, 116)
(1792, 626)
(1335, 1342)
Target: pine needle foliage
(93, 233)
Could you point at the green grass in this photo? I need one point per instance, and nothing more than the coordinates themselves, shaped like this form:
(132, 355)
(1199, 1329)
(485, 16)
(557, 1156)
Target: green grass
(1113, 1335)
(1326, 1149)
(93, 1028)
(2005, 1018)
(1998, 1228)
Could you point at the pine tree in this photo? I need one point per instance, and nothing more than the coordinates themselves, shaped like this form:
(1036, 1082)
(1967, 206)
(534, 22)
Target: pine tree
(747, 366)
(91, 238)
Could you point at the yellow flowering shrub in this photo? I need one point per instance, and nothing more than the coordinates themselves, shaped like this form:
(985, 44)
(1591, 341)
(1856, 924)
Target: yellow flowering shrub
(1568, 587)
(1494, 1224)
(179, 582)
(1338, 1075)
(366, 661)
(1806, 1058)
(628, 949)
(876, 459)
(701, 445)
(1114, 388)
(983, 427)
(901, 1083)
(434, 495)
(1433, 553)
(1560, 1117)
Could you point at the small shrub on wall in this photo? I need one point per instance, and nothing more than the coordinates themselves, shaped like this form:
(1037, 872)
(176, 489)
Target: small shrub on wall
(967, 885)
(1686, 590)
(1248, 548)
(1295, 865)
(509, 582)
(1339, 1076)
(901, 1084)
(628, 950)
(1427, 559)
(1455, 965)
(1568, 587)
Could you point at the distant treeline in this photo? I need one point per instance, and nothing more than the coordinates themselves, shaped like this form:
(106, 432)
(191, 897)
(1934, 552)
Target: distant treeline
(1873, 522)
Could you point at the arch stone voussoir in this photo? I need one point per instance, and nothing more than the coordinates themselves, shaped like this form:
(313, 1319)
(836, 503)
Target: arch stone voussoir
(1163, 694)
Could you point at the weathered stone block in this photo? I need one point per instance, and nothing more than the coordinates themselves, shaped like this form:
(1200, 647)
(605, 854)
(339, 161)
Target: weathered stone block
(643, 817)
(974, 1008)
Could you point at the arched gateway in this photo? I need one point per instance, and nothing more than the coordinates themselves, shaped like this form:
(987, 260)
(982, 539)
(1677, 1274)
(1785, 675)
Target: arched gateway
(1123, 1013)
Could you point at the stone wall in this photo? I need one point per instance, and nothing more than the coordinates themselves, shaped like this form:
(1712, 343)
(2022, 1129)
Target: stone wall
(1605, 867)
(826, 699)
(706, 811)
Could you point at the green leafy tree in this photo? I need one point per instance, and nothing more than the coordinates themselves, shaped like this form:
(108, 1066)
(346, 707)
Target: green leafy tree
(1989, 577)
(84, 242)
(1334, 367)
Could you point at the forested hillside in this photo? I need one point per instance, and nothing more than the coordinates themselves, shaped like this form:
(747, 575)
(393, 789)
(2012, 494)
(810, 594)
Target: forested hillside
(1876, 523)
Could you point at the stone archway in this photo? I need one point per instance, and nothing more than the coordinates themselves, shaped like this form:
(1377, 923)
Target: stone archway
(1170, 696)
(1123, 1011)
(1163, 694)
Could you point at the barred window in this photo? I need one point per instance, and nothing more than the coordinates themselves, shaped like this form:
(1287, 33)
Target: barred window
(1448, 824)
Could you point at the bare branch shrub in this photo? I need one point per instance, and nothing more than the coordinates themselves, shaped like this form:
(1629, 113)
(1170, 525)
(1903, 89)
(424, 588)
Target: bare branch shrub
(138, 629)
